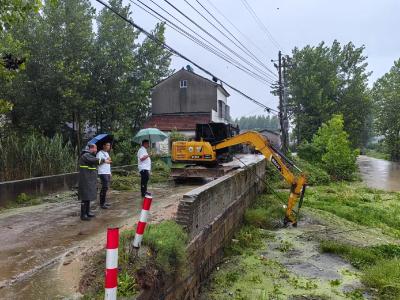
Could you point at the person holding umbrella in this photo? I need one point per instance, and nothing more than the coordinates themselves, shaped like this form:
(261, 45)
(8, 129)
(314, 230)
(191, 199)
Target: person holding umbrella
(87, 189)
(145, 137)
(144, 166)
(104, 171)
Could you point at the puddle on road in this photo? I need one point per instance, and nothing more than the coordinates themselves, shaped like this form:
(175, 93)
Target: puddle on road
(379, 173)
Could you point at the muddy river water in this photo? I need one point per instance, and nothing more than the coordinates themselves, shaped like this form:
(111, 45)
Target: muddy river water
(379, 173)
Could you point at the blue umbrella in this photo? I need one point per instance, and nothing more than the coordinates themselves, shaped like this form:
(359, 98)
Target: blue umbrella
(101, 139)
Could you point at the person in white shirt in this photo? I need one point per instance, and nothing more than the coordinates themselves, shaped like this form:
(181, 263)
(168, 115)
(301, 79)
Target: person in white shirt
(104, 172)
(144, 166)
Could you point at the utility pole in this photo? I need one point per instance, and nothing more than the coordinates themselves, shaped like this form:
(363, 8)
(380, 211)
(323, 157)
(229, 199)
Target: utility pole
(285, 105)
(282, 106)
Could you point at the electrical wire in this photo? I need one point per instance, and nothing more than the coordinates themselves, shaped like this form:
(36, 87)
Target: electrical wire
(210, 47)
(217, 40)
(261, 24)
(173, 51)
(234, 26)
(234, 41)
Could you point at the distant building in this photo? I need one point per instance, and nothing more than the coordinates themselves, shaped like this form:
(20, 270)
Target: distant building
(185, 99)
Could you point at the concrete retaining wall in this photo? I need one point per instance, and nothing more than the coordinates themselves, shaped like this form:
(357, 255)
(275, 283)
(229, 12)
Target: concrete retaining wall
(9, 190)
(211, 214)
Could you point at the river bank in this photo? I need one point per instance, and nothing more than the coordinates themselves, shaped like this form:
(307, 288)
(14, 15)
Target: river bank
(346, 246)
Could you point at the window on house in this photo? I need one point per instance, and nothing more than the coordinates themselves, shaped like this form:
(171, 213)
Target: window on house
(220, 109)
(227, 112)
(183, 84)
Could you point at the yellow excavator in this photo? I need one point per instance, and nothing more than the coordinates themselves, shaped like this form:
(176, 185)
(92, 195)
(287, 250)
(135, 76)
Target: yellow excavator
(204, 153)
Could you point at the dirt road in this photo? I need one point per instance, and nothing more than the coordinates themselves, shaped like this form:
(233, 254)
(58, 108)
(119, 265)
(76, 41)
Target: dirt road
(42, 246)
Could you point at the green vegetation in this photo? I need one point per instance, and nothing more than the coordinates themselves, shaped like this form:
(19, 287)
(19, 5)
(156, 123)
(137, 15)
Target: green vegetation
(315, 174)
(325, 80)
(75, 76)
(34, 155)
(385, 277)
(258, 122)
(330, 149)
(380, 265)
(26, 200)
(266, 212)
(131, 180)
(356, 203)
(386, 94)
(377, 154)
(167, 241)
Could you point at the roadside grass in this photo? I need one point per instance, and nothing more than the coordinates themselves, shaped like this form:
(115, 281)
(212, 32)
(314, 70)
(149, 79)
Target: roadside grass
(131, 180)
(377, 154)
(267, 211)
(167, 242)
(164, 246)
(380, 265)
(359, 204)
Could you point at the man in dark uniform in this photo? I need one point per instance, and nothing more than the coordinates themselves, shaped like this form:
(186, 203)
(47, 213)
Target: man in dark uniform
(87, 190)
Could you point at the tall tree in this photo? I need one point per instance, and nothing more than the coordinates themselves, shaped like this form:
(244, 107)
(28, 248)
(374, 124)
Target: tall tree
(324, 81)
(113, 63)
(55, 83)
(153, 63)
(386, 95)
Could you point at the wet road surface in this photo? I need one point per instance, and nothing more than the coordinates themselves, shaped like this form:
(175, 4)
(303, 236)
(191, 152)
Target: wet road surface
(379, 173)
(42, 246)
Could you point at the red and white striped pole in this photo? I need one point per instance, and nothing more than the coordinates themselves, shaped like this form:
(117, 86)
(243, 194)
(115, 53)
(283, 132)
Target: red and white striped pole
(111, 278)
(143, 220)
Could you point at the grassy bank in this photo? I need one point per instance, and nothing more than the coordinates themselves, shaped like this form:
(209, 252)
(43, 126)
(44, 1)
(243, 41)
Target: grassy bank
(359, 204)
(259, 261)
(163, 252)
(131, 180)
(377, 154)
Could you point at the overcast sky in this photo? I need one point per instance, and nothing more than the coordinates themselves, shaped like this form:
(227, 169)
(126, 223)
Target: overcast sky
(292, 23)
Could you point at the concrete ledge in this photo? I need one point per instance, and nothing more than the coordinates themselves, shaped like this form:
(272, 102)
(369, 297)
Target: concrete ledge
(9, 190)
(201, 206)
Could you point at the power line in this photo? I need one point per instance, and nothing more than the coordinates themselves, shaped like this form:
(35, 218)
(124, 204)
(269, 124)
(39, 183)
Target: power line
(173, 51)
(217, 40)
(261, 24)
(209, 47)
(234, 26)
(236, 42)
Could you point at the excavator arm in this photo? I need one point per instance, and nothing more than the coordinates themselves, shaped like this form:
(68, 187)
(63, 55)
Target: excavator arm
(261, 144)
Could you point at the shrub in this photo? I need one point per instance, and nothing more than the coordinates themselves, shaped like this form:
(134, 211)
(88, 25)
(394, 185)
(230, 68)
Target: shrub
(167, 240)
(310, 152)
(315, 175)
(331, 148)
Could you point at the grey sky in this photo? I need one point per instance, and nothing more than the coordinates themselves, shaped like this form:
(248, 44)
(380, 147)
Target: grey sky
(296, 23)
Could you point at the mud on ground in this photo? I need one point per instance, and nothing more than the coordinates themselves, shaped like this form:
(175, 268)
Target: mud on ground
(290, 265)
(44, 247)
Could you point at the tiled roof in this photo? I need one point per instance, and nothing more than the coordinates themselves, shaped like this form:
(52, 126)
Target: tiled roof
(177, 122)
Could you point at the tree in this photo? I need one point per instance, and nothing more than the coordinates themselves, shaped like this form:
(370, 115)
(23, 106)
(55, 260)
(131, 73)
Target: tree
(258, 122)
(330, 148)
(113, 63)
(11, 12)
(323, 81)
(386, 95)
